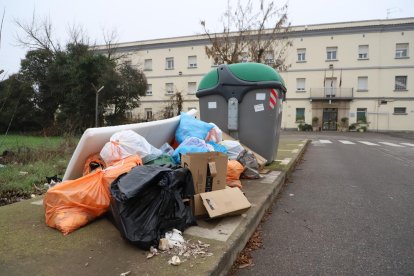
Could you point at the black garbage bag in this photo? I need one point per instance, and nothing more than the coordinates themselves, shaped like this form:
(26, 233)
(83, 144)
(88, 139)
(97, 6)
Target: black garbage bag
(148, 201)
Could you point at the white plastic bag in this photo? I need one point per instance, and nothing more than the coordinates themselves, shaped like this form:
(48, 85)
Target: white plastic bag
(233, 148)
(215, 134)
(175, 238)
(125, 143)
(167, 149)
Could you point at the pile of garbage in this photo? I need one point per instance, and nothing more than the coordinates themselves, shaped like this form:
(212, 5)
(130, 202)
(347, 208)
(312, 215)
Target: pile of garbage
(150, 191)
(179, 249)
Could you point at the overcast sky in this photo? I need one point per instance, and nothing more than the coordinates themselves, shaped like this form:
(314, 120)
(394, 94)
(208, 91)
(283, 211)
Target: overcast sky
(141, 20)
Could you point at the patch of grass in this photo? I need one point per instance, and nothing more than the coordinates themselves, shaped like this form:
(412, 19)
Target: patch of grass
(14, 142)
(23, 177)
(27, 160)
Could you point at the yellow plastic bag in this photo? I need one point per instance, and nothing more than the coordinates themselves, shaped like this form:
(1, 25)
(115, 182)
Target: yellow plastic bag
(74, 203)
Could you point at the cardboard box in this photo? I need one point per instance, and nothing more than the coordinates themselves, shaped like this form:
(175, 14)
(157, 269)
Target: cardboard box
(220, 203)
(197, 206)
(208, 169)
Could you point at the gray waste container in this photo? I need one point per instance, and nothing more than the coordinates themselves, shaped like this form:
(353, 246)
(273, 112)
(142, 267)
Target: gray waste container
(245, 101)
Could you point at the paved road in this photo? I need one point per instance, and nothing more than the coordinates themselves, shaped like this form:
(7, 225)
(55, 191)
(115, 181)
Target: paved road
(348, 211)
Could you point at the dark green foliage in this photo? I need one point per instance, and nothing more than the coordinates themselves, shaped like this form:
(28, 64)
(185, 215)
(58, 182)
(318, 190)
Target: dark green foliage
(352, 126)
(305, 127)
(122, 92)
(55, 90)
(17, 106)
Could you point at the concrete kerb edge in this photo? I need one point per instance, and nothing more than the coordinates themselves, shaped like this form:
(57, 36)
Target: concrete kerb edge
(238, 244)
(293, 165)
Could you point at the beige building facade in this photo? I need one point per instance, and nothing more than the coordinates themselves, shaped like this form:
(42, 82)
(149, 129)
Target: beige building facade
(360, 72)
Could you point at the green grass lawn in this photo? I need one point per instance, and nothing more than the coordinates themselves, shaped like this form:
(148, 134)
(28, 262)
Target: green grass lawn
(14, 142)
(27, 160)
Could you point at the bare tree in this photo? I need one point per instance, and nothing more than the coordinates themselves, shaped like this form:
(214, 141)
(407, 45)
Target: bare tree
(78, 35)
(38, 35)
(252, 34)
(112, 47)
(1, 24)
(173, 106)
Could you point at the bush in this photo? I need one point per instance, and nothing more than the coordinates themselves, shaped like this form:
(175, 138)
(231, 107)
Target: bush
(305, 127)
(352, 126)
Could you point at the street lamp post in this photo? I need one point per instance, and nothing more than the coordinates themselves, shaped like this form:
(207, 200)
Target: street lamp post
(96, 103)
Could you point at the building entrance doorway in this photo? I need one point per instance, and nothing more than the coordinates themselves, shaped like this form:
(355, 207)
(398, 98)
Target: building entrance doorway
(330, 119)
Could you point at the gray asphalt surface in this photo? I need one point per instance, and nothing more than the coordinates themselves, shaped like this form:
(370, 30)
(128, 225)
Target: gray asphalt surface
(349, 210)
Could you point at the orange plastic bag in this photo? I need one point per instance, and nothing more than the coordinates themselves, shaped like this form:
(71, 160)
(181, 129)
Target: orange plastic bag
(74, 203)
(234, 170)
(93, 162)
(121, 167)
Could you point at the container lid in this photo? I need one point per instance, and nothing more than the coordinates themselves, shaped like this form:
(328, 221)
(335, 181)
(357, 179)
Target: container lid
(210, 80)
(254, 72)
(235, 80)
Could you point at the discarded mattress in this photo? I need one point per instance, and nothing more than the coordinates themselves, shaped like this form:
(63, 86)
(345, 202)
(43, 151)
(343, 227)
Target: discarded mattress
(93, 140)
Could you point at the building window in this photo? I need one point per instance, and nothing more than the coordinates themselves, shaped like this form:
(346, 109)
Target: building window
(300, 84)
(244, 57)
(128, 115)
(169, 63)
(401, 50)
(361, 115)
(148, 65)
(128, 63)
(169, 88)
(362, 84)
(269, 58)
(192, 87)
(400, 83)
(300, 115)
(363, 52)
(148, 113)
(192, 62)
(301, 55)
(331, 53)
(400, 111)
(149, 90)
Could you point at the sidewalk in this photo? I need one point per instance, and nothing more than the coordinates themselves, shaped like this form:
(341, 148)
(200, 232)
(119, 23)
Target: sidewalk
(29, 247)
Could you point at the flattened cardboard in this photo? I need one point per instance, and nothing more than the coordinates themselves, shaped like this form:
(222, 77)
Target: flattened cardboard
(197, 206)
(206, 175)
(224, 202)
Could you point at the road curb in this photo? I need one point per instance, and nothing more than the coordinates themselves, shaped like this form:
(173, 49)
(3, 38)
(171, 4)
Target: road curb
(236, 245)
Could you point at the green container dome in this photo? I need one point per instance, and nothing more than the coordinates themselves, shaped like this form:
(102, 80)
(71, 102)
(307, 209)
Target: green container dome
(254, 72)
(209, 80)
(249, 72)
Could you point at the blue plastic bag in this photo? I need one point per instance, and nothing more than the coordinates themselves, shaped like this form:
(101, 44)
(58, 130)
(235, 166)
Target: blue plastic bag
(191, 144)
(191, 127)
(218, 147)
